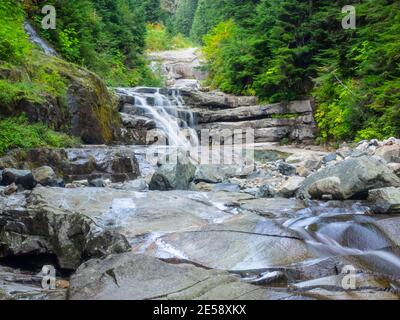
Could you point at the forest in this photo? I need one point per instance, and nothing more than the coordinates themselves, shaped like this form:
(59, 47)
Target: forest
(277, 50)
(287, 49)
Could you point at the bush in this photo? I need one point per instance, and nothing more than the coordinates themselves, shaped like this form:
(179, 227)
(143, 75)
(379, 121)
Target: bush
(159, 39)
(14, 44)
(18, 133)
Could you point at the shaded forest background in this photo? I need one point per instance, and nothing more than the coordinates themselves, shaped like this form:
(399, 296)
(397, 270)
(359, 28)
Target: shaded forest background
(278, 50)
(288, 49)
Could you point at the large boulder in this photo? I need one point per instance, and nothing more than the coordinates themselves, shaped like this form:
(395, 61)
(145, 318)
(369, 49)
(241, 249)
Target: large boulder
(326, 187)
(385, 200)
(45, 176)
(28, 229)
(139, 277)
(175, 174)
(307, 161)
(85, 108)
(357, 176)
(390, 153)
(289, 188)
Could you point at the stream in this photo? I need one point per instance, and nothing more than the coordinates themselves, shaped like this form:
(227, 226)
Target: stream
(229, 218)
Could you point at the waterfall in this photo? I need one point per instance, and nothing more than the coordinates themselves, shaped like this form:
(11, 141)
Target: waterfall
(41, 43)
(167, 109)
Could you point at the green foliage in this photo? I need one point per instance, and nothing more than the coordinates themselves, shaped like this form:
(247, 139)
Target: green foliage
(13, 40)
(184, 16)
(230, 62)
(18, 133)
(152, 10)
(158, 39)
(106, 36)
(291, 49)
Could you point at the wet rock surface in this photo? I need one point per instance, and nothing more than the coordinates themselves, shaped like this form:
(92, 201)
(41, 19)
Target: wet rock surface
(68, 238)
(234, 232)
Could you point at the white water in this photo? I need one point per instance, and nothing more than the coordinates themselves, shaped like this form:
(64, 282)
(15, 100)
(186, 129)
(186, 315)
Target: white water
(327, 244)
(166, 112)
(41, 43)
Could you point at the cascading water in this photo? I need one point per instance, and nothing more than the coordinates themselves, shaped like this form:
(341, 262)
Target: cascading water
(324, 240)
(167, 109)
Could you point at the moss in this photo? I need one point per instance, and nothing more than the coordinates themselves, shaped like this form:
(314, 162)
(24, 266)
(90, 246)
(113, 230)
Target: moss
(285, 116)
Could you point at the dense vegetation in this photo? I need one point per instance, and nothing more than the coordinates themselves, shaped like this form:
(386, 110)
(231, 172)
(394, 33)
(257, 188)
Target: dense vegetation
(275, 49)
(289, 49)
(18, 133)
(159, 38)
(106, 36)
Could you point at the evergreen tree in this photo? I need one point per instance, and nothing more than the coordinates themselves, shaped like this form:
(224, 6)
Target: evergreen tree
(184, 16)
(152, 9)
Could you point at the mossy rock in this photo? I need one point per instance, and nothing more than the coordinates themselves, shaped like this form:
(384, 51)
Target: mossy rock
(64, 96)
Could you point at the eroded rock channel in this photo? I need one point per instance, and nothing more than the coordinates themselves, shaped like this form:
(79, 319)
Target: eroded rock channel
(118, 223)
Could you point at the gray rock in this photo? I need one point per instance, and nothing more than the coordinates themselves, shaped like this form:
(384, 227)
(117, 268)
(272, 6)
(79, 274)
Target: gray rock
(357, 176)
(254, 111)
(176, 175)
(118, 164)
(11, 189)
(395, 167)
(390, 153)
(227, 187)
(139, 277)
(330, 157)
(328, 188)
(307, 161)
(221, 173)
(34, 230)
(385, 200)
(290, 187)
(286, 169)
(266, 191)
(24, 178)
(45, 176)
(97, 183)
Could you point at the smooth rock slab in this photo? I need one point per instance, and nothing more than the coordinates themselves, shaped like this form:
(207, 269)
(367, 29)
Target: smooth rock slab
(245, 242)
(138, 213)
(139, 277)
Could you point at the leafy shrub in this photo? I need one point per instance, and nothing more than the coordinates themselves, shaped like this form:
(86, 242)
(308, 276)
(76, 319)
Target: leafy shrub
(159, 39)
(18, 133)
(13, 40)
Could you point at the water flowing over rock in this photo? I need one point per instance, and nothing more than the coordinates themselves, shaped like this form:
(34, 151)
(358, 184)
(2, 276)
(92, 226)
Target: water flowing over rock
(40, 42)
(165, 109)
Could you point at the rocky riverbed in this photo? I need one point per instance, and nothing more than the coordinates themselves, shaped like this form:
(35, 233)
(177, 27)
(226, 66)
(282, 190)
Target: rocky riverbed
(286, 229)
(118, 222)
